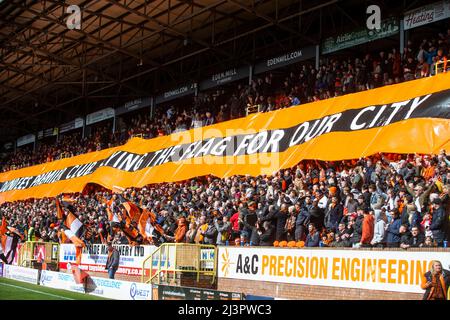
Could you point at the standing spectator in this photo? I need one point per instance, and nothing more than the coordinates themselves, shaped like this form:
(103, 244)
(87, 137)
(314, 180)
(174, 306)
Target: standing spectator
(201, 230)
(420, 195)
(256, 232)
(313, 238)
(334, 214)
(357, 228)
(393, 230)
(223, 227)
(191, 233)
(302, 220)
(367, 229)
(294, 101)
(316, 214)
(250, 218)
(180, 232)
(290, 224)
(436, 282)
(210, 234)
(31, 233)
(439, 222)
(209, 119)
(380, 229)
(281, 218)
(441, 61)
(351, 204)
(344, 235)
(235, 225)
(409, 69)
(112, 263)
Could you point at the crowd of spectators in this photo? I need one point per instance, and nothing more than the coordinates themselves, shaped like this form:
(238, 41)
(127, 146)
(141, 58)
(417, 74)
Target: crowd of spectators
(67, 146)
(302, 83)
(386, 200)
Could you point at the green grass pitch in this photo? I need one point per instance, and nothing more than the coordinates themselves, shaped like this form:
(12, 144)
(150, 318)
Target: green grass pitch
(17, 290)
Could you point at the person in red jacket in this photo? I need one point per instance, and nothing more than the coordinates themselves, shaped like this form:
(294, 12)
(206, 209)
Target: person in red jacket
(367, 228)
(235, 228)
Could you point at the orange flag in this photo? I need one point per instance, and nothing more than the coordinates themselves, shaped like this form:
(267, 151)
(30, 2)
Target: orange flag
(78, 274)
(3, 227)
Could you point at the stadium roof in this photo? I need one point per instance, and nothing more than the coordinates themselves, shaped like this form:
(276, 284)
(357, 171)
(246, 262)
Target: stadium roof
(134, 48)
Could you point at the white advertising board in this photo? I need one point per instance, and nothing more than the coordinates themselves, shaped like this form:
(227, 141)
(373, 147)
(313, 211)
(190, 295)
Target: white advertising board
(100, 115)
(59, 280)
(108, 288)
(94, 257)
(119, 290)
(21, 273)
(427, 14)
(399, 271)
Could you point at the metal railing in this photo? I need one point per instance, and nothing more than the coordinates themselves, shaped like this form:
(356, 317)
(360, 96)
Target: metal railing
(171, 259)
(440, 67)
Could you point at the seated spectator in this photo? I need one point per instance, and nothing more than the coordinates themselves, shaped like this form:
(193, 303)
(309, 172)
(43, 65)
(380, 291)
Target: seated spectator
(405, 236)
(337, 243)
(428, 243)
(266, 238)
(416, 239)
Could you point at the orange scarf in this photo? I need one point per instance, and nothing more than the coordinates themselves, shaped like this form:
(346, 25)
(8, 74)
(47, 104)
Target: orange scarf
(428, 173)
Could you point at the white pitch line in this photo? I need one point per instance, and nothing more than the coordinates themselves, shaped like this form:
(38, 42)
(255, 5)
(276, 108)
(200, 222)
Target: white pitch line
(45, 293)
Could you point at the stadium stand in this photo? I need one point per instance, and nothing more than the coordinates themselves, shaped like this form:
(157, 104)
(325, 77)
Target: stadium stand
(325, 194)
(384, 200)
(301, 84)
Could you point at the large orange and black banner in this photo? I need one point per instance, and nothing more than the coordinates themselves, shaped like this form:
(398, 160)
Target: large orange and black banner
(403, 118)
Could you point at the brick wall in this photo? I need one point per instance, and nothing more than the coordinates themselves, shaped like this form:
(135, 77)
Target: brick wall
(308, 292)
(190, 280)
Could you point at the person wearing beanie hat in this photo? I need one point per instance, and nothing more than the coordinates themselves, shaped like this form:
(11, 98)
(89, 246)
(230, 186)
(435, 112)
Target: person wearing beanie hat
(332, 190)
(439, 222)
(333, 214)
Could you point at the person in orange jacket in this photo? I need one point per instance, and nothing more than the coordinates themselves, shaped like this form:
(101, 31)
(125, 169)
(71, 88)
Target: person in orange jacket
(180, 232)
(436, 282)
(368, 228)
